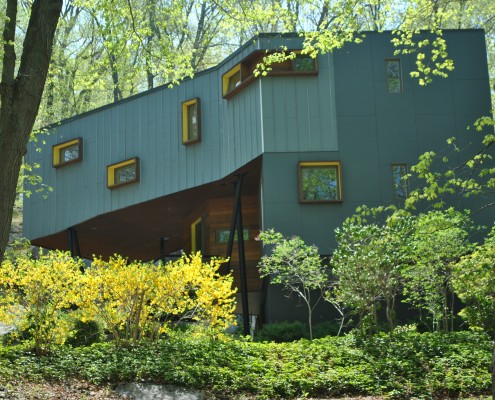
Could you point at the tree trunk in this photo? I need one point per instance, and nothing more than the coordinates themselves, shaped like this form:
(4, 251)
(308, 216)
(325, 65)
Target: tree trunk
(493, 368)
(21, 97)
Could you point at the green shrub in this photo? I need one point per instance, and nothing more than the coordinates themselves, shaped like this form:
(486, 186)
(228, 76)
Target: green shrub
(280, 332)
(396, 365)
(86, 333)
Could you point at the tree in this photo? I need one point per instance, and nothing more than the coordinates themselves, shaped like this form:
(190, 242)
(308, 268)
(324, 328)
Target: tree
(20, 95)
(297, 267)
(438, 241)
(368, 263)
(474, 282)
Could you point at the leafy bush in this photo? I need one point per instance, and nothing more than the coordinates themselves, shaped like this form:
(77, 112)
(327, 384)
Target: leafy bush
(136, 300)
(280, 332)
(401, 364)
(37, 296)
(44, 298)
(86, 333)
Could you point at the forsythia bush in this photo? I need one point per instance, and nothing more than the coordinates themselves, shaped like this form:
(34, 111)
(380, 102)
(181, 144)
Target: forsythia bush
(36, 296)
(132, 300)
(195, 290)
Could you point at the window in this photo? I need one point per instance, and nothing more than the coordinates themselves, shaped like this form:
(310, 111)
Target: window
(191, 121)
(394, 76)
(241, 75)
(67, 153)
(303, 63)
(232, 79)
(197, 236)
(319, 181)
(399, 180)
(222, 235)
(123, 173)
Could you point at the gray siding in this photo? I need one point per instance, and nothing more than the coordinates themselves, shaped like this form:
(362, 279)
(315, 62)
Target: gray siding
(149, 127)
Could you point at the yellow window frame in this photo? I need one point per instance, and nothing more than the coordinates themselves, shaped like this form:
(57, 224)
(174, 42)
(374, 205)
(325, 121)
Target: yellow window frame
(321, 164)
(111, 183)
(226, 78)
(194, 248)
(185, 118)
(58, 149)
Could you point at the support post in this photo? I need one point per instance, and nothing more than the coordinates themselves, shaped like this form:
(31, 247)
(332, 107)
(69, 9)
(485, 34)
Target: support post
(236, 222)
(73, 242)
(242, 270)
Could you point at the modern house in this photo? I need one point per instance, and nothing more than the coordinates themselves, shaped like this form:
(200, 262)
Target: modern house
(177, 169)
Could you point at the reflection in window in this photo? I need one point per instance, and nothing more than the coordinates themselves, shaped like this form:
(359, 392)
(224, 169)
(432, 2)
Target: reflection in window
(303, 62)
(234, 81)
(399, 180)
(222, 235)
(123, 173)
(394, 78)
(191, 121)
(319, 182)
(67, 153)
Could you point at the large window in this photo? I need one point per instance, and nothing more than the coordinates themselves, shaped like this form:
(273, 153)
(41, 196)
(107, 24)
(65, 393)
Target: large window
(399, 180)
(191, 121)
(67, 153)
(123, 173)
(319, 181)
(241, 74)
(394, 75)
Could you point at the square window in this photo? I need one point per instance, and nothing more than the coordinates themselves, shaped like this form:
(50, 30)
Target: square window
(67, 153)
(319, 181)
(303, 63)
(399, 180)
(191, 121)
(123, 173)
(394, 76)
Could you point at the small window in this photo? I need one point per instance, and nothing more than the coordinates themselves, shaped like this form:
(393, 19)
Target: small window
(67, 153)
(231, 80)
(399, 180)
(394, 76)
(303, 63)
(191, 121)
(319, 181)
(222, 235)
(197, 236)
(123, 173)
(241, 75)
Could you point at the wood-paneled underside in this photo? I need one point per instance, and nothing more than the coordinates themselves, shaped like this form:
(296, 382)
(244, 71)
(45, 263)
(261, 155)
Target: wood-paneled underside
(135, 231)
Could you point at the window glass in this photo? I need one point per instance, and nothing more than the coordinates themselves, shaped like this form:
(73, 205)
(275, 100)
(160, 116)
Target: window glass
(319, 181)
(70, 153)
(303, 63)
(234, 81)
(125, 174)
(67, 153)
(394, 79)
(399, 180)
(192, 121)
(222, 235)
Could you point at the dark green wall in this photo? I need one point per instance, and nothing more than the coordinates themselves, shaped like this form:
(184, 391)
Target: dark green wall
(374, 130)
